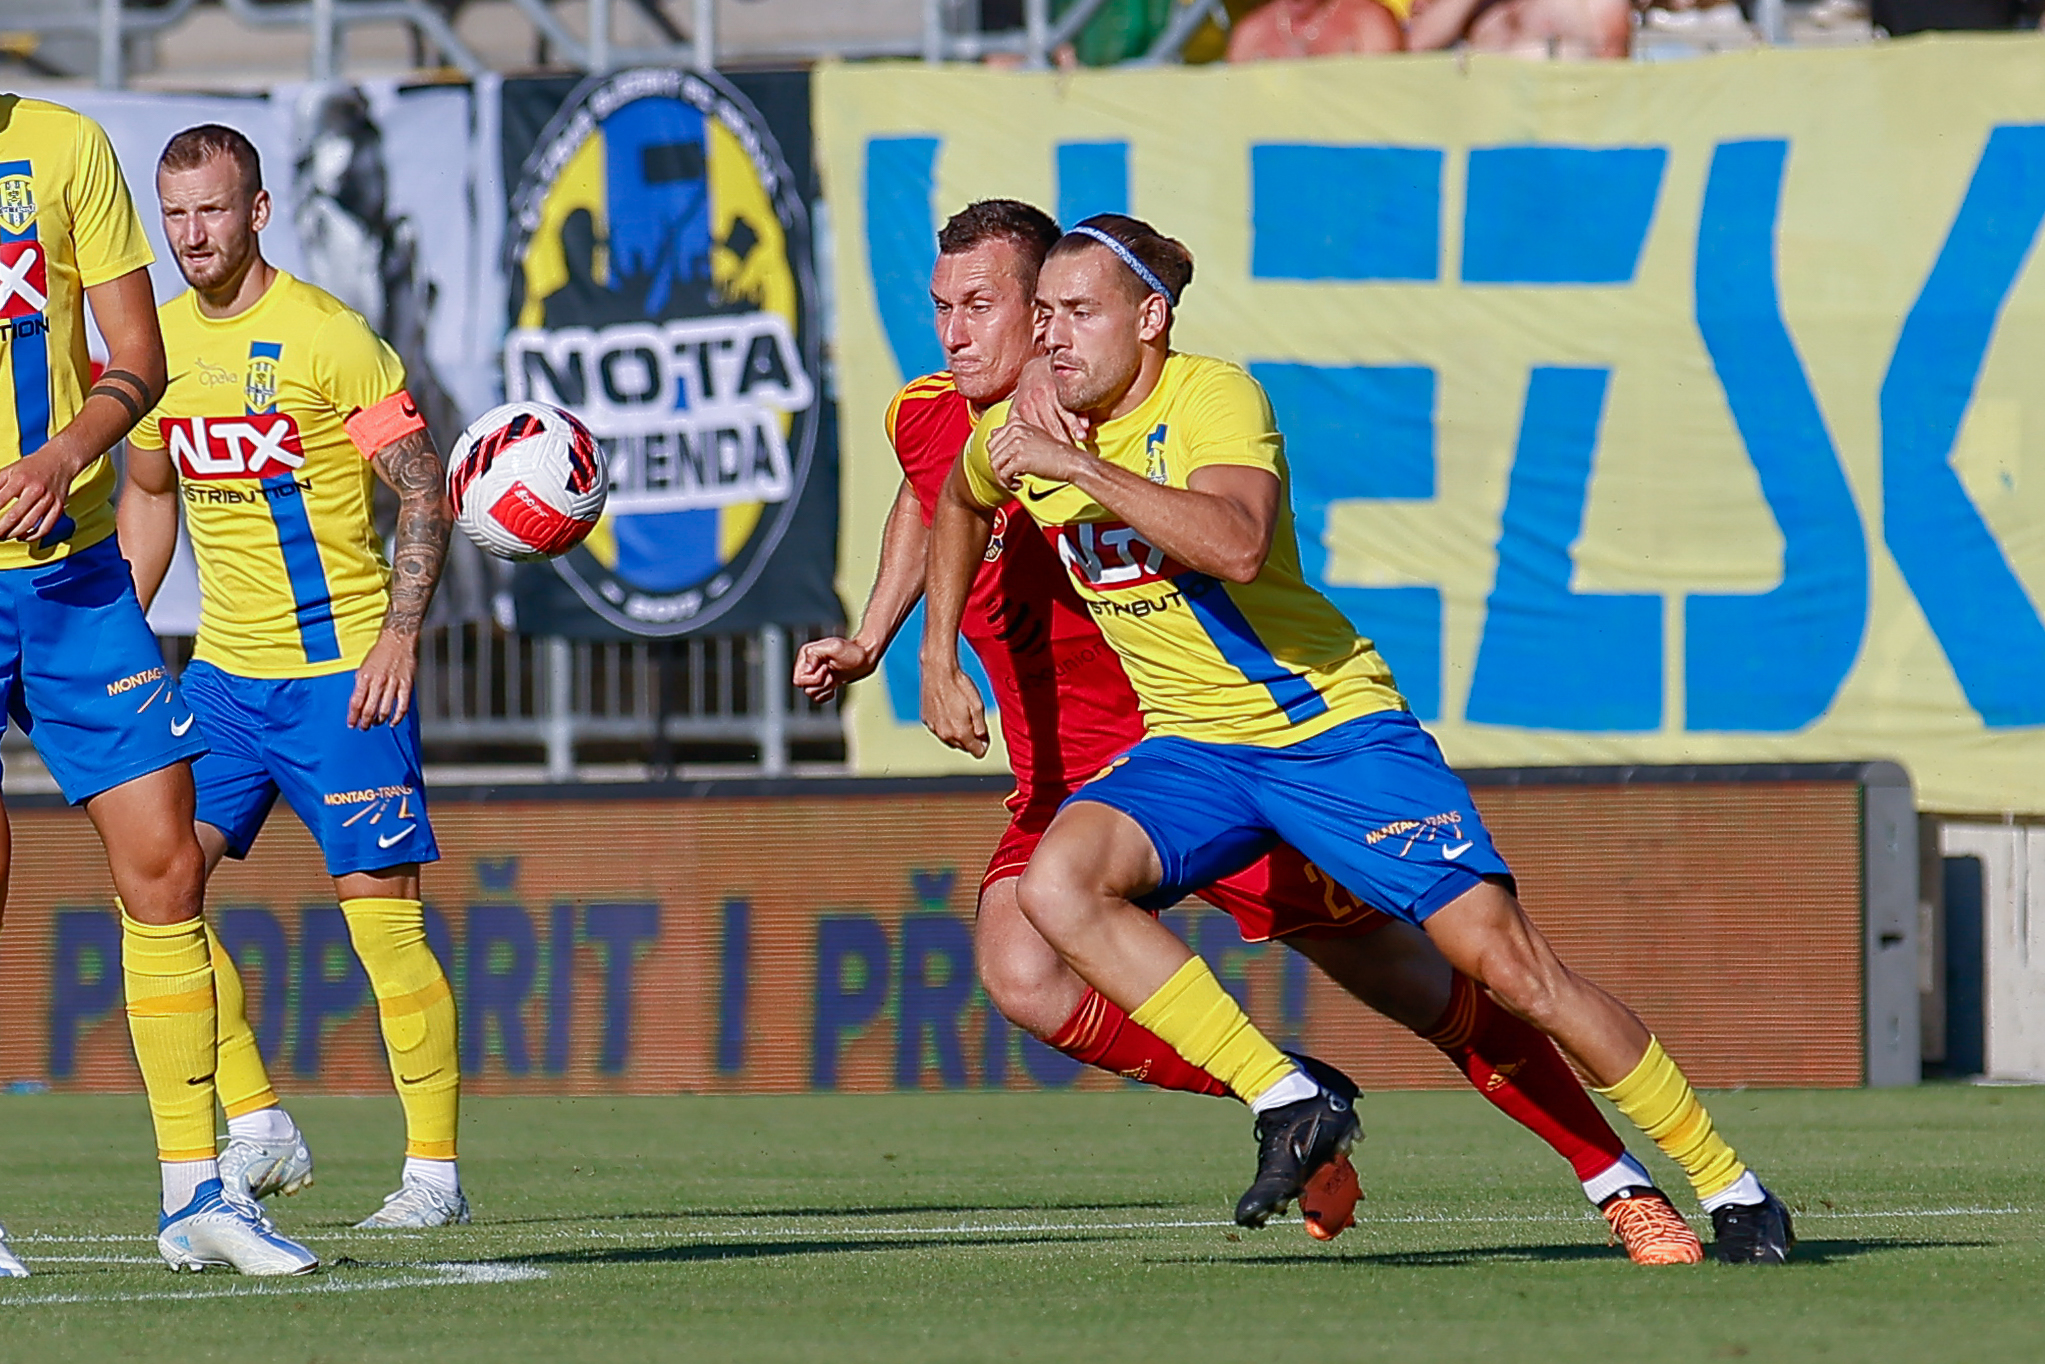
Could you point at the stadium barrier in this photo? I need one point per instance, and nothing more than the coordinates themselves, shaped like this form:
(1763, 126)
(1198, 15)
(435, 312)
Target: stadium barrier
(757, 937)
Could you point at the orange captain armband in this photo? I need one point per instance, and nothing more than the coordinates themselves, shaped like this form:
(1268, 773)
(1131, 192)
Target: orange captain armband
(372, 428)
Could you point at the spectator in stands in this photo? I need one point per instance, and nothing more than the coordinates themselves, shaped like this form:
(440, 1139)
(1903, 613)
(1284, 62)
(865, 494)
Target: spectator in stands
(1283, 29)
(1571, 29)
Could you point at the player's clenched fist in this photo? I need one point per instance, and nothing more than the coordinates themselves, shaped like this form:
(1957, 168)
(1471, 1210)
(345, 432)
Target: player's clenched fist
(1018, 448)
(952, 709)
(824, 667)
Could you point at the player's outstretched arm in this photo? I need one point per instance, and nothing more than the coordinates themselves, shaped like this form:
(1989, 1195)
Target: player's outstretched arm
(146, 518)
(824, 666)
(959, 530)
(33, 490)
(1220, 523)
(383, 684)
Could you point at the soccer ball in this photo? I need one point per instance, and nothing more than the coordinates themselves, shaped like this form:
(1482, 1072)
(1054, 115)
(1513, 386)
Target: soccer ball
(526, 481)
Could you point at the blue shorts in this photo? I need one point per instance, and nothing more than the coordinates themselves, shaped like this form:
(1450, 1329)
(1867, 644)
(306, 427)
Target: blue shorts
(360, 791)
(1371, 802)
(84, 677)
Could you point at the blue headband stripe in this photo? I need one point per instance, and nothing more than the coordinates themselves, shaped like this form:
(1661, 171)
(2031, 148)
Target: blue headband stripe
(1142, 271)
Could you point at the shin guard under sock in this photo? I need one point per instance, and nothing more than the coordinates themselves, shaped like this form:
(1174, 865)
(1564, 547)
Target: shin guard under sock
(417, 1011)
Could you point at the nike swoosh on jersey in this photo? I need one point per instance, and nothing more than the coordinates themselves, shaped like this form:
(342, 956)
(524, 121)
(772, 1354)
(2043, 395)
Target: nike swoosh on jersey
(1453, 853)
(178, 729)
(385, 840)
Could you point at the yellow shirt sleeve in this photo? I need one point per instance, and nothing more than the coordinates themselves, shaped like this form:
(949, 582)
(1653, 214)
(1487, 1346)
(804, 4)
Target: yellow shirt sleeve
(1231, 422)
(979, 469)
(106, 237)
(353, 366)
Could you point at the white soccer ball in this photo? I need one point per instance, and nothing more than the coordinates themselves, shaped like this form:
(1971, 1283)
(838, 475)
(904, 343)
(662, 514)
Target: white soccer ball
(527, 481)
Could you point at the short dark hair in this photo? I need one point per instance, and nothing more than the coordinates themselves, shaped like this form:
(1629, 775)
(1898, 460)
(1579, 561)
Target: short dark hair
(1029, 228)
(194, 147)
(1163, 256)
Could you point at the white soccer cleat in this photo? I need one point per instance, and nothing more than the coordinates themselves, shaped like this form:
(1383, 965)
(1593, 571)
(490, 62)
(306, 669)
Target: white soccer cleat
(417, 1205)
(10, 1267)
(213, 1232)
(255, 1169)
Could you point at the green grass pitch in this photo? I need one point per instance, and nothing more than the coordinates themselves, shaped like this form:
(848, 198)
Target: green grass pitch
(1008, 1226)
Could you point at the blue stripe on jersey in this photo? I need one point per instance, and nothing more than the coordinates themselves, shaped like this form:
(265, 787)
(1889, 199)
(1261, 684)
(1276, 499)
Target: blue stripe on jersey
(309, 592)
(1239, 646)
(29, 342)
(312, 599)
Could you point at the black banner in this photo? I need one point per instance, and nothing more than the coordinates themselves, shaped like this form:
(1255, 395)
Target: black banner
(662, 288)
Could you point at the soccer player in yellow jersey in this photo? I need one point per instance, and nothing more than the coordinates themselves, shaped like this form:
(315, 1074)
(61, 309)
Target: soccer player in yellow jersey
(82, 672)
(282, 411)
(1266, 718)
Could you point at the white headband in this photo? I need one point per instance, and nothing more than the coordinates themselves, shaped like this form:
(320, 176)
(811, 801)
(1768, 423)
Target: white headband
(1142, 271)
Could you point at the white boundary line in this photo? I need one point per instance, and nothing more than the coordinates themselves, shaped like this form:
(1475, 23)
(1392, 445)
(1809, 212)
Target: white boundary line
(451, 1275)
(740, 1229)
(438, 1276)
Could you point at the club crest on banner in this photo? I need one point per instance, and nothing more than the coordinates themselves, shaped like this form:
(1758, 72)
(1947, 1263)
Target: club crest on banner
(659, 259)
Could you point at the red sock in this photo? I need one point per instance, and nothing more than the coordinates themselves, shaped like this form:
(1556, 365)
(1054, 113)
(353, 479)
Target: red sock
(1100, 1034)
(1513, 1064)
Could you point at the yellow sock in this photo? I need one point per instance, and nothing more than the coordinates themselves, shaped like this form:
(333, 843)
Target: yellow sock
(417, 1010)
(1660, 1100)
(1201, 1022)
(168, 974)
(243, 1084)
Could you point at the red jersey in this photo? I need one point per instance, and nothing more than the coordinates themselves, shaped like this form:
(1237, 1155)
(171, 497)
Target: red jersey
(1067, 709)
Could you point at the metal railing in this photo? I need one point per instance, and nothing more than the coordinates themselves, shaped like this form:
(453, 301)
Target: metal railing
(483, 694)
(482, 688)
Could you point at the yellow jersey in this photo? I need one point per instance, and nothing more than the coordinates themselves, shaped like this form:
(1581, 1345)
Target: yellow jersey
(1270, 662)
(292, 576)
(66, 225)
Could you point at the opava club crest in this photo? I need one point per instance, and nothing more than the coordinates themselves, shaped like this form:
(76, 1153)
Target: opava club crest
(17, 202)
(261, 387)
(662, 292)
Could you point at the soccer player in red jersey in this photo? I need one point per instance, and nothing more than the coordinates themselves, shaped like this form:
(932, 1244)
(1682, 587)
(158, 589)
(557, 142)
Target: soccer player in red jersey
(1068, 711)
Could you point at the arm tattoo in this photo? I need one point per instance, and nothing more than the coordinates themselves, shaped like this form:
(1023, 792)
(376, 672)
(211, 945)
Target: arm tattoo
(413, 469)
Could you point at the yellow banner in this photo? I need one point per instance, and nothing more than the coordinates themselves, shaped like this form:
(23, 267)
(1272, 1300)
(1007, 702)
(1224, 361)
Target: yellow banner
(1642, 413)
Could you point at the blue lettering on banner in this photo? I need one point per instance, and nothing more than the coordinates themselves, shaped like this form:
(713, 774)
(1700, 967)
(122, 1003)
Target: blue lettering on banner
(255, 941)
(1985, 622)
(1045, 1064)
(937, 984)
(851, 987)
(901, 247)
(1552, 658)
(1292, 1001)
(1356, 213)
(503, 957)
(560, 988)
(1353, 433)
(85, 980)
(331, 982)
(735, 963)
(1558, 215)
(1770, 661)
(1093, 177)
(902, 666)
(622, 929)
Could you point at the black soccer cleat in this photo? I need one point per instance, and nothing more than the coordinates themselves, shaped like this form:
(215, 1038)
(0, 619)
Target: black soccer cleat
(1753, 1233)
(1295, 1141)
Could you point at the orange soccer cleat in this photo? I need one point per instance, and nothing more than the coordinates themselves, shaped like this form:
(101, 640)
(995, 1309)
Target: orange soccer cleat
(1653, 1232)
(1328, 1200)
